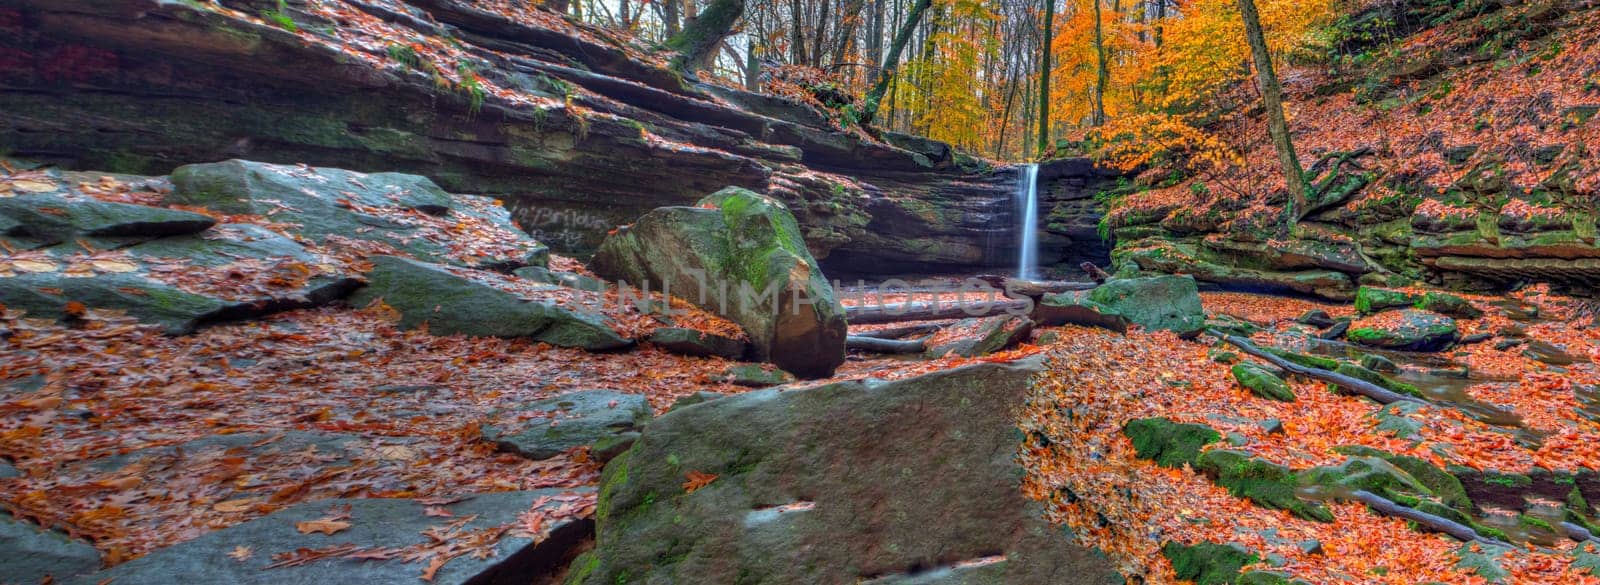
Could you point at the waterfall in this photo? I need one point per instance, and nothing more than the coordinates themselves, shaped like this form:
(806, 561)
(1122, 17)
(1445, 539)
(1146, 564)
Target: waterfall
(1028, 222)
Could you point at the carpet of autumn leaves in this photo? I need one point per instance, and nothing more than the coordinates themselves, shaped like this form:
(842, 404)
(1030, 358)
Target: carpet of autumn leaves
(1097, 381)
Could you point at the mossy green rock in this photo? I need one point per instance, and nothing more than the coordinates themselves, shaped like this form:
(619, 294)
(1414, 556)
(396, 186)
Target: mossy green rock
(1267, 484)
(1208, 563)
(447, 303)
(1372, 474)
(1159, 302)
(1443, 485)
(755, 376)
(1415, 330)
(834, 484)
(741, 255)
(1168, 443)
(1262, 382)
(1310, 361)
(1371, 299)
(571, 420)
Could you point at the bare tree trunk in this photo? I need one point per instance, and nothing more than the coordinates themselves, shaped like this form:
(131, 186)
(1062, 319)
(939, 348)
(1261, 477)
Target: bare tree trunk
(1097, 117)
(797, 33)
(1277, 125)
(819, 46)
(697, 43)
(1161, 17)
(557, 6)
(875, 37)
(669, 16)
(1044, 75)
(892, 62)
(752, 65)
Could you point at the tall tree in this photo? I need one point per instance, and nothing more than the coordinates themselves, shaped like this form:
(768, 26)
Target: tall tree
(1044, 75)
(1277, 125)
(892, 61)
(1102, 75)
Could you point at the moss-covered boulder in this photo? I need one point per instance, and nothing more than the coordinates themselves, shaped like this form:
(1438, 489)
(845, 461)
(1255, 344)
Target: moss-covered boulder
(1168, 443)
(462, 301)
(1267, 484)
(741, 255)
(1406, 330)
(1371, 300)
(1262, 382)
(606, 420)
(840, 483)
(1208, 563)
(977, 337)
(1443, 484)
(1371, 474)
(1160, 302)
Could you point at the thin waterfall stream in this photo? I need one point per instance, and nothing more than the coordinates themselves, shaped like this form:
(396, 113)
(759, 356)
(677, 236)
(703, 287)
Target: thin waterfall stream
(1028, 222)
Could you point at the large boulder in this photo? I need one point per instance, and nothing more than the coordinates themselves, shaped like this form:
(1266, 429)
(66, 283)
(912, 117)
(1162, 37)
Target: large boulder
(464, 301)
(903, 481)
(1406, 330)
(606, 420)
(408, 212)
(386, 529)
(1159, 302)
(741, 255)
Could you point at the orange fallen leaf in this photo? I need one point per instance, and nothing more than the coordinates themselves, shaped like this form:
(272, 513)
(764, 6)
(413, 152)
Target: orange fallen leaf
(239, 505)
(240, 553)
(325, 526)
(436, 512)
(436, 563)
(698, 480)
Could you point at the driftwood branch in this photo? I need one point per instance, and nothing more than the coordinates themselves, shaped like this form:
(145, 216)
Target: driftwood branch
(876, 345)
(1095, 273)
(1349, 384)
(1458, 530)
(872, 314)
(1579, 533)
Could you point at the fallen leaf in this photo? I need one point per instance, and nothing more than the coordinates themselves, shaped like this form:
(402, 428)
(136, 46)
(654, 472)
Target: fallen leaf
(239, 505)
(33, 186)
(324, 526)
(436, 512)
(117, 266)
(240, 553)
(33, 266)
(436, 563)
(397, 452)
(698, 480)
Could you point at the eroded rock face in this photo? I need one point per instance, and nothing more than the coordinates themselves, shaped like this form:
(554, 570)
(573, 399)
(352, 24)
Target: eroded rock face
(174, 83)
(835, 484)
(738, 254)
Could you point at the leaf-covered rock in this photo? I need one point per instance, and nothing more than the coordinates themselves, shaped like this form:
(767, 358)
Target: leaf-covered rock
(449, 303)
(1406, 330)
(547, 428)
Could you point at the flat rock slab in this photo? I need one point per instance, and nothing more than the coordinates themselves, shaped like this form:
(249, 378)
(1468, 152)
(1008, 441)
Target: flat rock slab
(374, 524)
(604, 419)
(449, 303)
(30, 554)
(842, 483)
(1159, 302)
(325, 202)
(1406, 330)
(978, 337)
(53, 219)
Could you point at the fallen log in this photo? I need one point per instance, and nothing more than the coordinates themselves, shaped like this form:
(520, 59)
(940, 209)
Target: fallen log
(1380, 394)
(1095, 273)
(876, 345)
(873, 314)
(903, 331)
(1458, 530)
(1032, 288)
(1578, 533)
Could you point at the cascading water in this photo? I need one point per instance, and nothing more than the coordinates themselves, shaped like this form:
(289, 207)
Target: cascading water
(1028, 222)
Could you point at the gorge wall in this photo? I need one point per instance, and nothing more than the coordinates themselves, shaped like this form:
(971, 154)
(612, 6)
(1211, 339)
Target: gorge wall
(576, 131)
